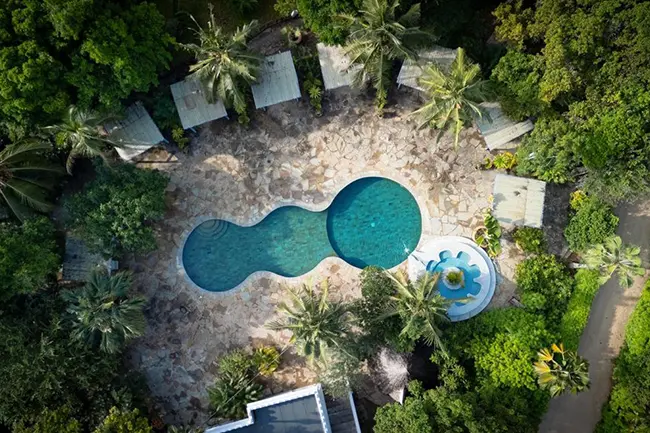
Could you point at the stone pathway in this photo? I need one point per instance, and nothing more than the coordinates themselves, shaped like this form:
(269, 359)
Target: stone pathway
(287, 155)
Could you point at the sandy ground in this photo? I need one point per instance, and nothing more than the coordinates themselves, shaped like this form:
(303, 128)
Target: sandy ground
(604, 335)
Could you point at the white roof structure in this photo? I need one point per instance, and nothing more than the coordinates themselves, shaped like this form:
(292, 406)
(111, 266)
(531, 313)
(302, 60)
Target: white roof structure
(334, 66)
(518, 201)
(192, 107)
(411, 70)
(136, 132)
(278, 81)
(501, 131)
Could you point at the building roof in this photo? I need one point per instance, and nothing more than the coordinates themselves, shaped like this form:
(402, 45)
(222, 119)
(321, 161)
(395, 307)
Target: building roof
(500, 132)
(411, 70)
(301, 411)
(278, 81)
(334, 66)
(136, 132)
(191, 105)
(78, 262)
(518, 201)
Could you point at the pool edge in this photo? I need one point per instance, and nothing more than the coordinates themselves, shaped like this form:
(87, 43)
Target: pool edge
(254, 219)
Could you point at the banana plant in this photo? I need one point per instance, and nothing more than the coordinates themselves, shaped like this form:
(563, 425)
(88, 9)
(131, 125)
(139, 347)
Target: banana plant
(560, 370)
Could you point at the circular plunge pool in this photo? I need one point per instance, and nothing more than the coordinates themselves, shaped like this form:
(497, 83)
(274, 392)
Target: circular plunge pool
(372, 221)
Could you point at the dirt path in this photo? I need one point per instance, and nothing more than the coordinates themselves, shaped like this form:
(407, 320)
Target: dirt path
(603, 336)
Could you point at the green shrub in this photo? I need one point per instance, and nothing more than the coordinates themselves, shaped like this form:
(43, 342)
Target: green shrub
(119, 421)
(52, 421)
(503, 345)
(626, 410)
(266, 360)
(236, 362)
(230, 394)
(544, 275)
(530, 240)
(28, 256)
(410, 417)
(178, 135)
(488, 237)
(592, 223)
(114, 212)
(587, 283)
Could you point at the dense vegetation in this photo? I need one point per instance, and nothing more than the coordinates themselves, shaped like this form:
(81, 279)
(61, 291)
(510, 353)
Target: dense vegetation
(583, 68)
(92, 52)
(630, 398)
(580, 69)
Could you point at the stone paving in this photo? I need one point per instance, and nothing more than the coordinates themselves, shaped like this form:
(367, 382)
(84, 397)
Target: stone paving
(287, 155)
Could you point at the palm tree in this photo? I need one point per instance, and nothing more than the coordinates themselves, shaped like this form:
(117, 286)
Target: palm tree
(561, 370)
(421, 306)
(225, 66)
(614, 256)
(377, 38)
(318, 325)
(102, 312)
(26, 176)
(82, 133)
(454, 97)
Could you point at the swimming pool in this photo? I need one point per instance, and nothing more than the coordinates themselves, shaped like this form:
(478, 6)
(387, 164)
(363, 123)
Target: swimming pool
(372, 221)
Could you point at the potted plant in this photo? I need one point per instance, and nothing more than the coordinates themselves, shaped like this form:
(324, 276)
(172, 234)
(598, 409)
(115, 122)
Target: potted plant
(454, 278)
(294, 35)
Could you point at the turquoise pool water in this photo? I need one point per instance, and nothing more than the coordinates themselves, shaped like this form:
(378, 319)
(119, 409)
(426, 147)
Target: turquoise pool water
(460, 262)
(372, 221)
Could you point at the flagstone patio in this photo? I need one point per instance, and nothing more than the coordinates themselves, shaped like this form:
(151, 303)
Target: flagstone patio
(287, 155)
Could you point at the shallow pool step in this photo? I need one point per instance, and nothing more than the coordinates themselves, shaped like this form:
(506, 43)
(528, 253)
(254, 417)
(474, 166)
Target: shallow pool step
(213, 229)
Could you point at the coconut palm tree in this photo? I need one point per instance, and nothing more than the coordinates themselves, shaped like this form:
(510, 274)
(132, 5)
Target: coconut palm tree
(377, 37)
(614, 256)
(26, 176)
(225, 66)
(561, 370)
(81, 132)
(421, 307)
(453, 97)
(318, 325)
(103, 314)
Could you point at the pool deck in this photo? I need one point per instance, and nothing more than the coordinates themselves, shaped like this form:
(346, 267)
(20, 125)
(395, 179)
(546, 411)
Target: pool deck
(287, 156)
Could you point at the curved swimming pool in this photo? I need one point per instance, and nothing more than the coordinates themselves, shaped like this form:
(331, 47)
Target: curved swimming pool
(372, 221)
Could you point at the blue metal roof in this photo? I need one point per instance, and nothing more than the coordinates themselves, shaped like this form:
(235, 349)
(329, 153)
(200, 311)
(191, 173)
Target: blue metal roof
(295, 416)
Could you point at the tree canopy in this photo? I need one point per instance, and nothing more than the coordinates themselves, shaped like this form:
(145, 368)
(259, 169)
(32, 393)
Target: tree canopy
(57, 52)
(584, 67)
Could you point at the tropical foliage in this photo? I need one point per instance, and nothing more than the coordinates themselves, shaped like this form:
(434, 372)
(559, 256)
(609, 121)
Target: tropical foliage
(613, 256)
(590, 93)
(225, 66)
(420, 306)
(545, 284)
(89, 52)
(318, 325)
(26, 178)
(530, 240)
(29, 256)
(453, 96)
(377, 37)
(114, 212)
(376, 290)
(488, 236)
(52, 421)
(561, 371)
(103, 313)
(235, 386)
(45, 369)
(119, 421)
(590, 223)
(574, 320)
(81, 133)
(266, 360)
